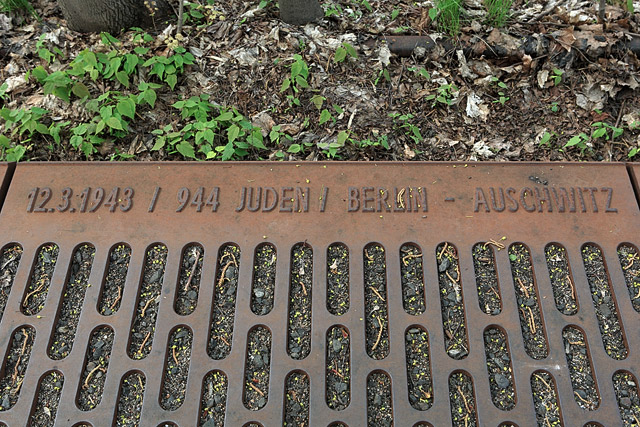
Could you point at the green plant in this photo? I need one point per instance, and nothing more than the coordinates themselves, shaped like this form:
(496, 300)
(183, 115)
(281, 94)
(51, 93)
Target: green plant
(545, 139)
(168, 68)
(497, 12)
(20, 125)
(382, 74)
(579, 141)
(366, 4)
(200, 15)
(444, 95)
(366, 143)
(342, 52)
(556, 76)
(627, 5)
(446, 15)
(403, 123)
(421, 71)
(9, 152)
(3, 91)
(211, 131)
(502, 98)
(601, 129)
(554, 107)
(18, 5)
(43, 51)
(276, 135)
(297, 79)
(332, 9)
(330, 149)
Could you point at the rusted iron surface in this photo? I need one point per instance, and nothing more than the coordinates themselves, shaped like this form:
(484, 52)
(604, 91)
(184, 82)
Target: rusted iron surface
(6, 172)
(319, 204)
(405, 45)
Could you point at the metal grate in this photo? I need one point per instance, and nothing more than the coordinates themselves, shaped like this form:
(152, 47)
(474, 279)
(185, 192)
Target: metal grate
(319, 294)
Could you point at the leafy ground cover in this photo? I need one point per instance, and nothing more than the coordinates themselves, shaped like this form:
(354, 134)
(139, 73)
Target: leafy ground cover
(237, 83)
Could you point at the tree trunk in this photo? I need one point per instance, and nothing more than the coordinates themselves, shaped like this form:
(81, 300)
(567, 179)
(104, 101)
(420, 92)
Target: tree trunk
(111, 15)
(300, 12)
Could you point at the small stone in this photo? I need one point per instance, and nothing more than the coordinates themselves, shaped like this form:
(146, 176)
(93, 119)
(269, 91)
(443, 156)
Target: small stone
(257, 360)
(337, 345)
(501, 381)
(377, 400)
(444, 264)
(340, 387)
(454, 352)
(259, 293)
(155, 276)
(625, 402)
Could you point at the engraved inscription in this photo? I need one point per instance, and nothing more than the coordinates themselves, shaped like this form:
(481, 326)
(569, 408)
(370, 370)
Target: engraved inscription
(197, 199)
(544, 199)
(297, 199)
(87, 201)
(267, 199)
(379, 199)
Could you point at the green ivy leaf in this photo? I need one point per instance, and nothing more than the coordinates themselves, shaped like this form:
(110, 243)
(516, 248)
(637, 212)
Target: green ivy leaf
(342, 137)
(114, 123)
(317, 100)
(208, 135)
(350, 50)
(76, 141)
(341, 54)
(150, 97)
(100, 126)
(172, 80)
(40, 73)
(302, 82)
(325, 116)
(574, 141)
(186, 150)
(285, 85)
(127, 107)
(228, 151)
(16, 154)
(80, 90)
(131, 61)
(123, 78)
(296, 68)
(233, 133)
(599, 133)
(159, 144)
(294, 148)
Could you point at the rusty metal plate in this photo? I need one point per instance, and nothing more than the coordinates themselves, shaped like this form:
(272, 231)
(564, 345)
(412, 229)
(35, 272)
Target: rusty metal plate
(6, 171)
(634, 173)
(84, 218)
